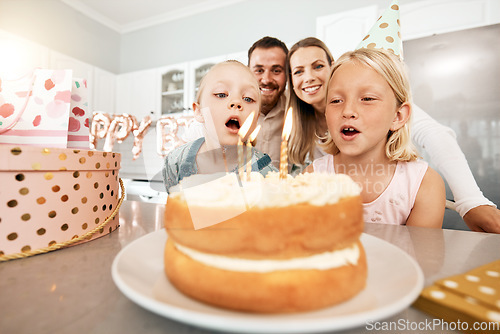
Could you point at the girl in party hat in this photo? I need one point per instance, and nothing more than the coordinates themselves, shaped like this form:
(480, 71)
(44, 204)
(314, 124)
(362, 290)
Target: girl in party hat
(367, 113)
(368, 108)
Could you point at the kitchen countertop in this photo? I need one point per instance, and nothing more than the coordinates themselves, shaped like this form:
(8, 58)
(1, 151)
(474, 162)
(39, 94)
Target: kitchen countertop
(72, 291)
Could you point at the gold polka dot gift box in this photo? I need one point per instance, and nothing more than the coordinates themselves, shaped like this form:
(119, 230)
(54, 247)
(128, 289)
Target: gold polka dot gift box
(473, 298)
(51, 198)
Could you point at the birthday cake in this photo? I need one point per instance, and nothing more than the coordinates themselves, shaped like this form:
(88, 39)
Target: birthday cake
(294, 246)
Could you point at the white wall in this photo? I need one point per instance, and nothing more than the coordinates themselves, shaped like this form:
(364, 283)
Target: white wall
(220, 31)
(228, 29)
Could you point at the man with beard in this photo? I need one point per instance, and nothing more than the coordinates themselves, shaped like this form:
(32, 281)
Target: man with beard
(267, 61)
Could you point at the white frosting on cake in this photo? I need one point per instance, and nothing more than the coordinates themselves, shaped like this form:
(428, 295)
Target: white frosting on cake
(310, 188)
(322, 261)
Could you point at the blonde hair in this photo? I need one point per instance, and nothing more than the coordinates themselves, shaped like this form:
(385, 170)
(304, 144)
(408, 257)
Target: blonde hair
(303, 137)
(399, 146)
(203, 80)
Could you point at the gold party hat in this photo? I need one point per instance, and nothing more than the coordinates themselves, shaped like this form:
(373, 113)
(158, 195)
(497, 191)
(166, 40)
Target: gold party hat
(385, 34)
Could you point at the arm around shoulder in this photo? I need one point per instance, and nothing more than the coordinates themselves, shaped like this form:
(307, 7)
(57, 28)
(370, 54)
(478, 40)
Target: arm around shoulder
(483, 218)
(440, 143)
(428, 210)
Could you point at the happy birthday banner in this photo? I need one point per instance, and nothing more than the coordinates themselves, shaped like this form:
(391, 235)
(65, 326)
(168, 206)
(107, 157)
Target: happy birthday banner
(117, 128)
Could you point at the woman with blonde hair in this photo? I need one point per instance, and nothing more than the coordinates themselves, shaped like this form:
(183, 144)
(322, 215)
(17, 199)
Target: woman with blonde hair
(439, 141)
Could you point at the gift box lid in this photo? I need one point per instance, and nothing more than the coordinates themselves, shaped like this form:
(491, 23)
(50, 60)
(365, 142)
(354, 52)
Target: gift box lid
(470, 297)
(32, 158)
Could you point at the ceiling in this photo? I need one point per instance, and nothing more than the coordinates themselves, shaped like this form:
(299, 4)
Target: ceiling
(128, 15)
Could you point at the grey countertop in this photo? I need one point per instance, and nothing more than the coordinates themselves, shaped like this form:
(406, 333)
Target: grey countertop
(72, 291)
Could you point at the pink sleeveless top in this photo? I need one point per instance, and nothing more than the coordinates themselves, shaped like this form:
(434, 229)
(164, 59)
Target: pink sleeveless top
(394, 204)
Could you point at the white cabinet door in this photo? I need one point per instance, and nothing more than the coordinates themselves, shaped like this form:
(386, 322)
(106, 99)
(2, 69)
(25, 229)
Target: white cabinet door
(137, 93)
(174, 89)
(425, 18)
(343, 31)
(197, 70)
(104, 90)
(18, 56)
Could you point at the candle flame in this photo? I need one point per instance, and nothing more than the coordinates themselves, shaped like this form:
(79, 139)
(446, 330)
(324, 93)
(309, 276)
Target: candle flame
(287, 128)
(254, 134)
(242, 132)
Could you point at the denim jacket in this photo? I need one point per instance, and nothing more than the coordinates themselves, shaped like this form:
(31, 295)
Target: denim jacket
(181, 163)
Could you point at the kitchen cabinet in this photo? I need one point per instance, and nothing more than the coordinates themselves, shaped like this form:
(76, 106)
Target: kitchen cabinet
(196, 71)
(101, 84)
(173, 89)
(426, 18)
(343, 31)
(136, 93)
(180, 82)
(104, 90)
(167, 90)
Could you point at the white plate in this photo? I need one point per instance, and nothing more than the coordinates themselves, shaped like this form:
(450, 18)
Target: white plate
(394, 282)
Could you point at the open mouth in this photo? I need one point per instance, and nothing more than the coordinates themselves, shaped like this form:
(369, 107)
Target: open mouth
(349, 131)
(233, 124)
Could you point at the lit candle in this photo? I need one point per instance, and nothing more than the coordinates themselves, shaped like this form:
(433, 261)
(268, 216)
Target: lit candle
(225, 159)
(287, 129)
(240, 156)
(242, 132)
(250, 141)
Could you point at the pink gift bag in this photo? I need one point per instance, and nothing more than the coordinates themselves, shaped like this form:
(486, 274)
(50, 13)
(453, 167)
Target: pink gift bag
(78, 126)
(35, 111)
